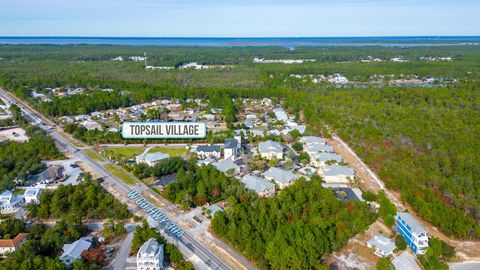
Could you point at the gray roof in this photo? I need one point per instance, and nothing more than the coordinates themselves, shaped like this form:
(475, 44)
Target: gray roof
(153, 157)
(230, 143)
(312, 140)
(225, 165)
(337, 170)
(383, 243)
(150, 248)
(214, 209)
(280, 175)
(315, 147)
(50, 173)
(75, 249)
(412, 222)
(270, 146)
(208, 148)
(327, 156)
(32, 192)
(256, 183)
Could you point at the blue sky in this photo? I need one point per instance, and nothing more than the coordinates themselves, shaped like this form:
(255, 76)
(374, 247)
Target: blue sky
(236, 18)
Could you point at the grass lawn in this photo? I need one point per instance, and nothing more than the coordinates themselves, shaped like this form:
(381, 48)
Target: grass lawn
(173, 152)
(92, 154)
(126, 152)
(121, 175)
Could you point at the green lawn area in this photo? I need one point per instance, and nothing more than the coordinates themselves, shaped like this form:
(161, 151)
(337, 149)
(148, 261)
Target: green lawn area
(124, 177)
(126, 152)
(92, 154)
(173, 152)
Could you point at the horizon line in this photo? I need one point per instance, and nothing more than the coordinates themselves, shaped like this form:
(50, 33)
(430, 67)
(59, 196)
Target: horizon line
(251, 37)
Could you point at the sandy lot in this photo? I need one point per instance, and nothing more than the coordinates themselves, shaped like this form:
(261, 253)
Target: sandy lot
(13, 134)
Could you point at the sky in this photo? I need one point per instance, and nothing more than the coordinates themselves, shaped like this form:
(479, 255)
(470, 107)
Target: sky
(239, 18)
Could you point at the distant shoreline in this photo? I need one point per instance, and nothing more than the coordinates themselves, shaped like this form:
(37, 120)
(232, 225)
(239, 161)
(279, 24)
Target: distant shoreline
(289, 42)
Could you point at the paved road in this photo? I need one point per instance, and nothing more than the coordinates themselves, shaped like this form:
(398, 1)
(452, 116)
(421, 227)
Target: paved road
(185, 243)
(124, 251)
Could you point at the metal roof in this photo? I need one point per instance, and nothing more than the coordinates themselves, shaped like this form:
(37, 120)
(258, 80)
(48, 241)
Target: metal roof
(256, 183)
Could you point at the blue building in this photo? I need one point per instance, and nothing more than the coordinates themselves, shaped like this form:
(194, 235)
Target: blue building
(412, 231)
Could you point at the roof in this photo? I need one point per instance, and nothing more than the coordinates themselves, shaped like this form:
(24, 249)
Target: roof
(153, 157)
(382, 242)
(412, 222)
(51, 172)
(256, 183)
(225, 165)
(214, 209)
(337, 170)
(345, 194)
(327, 157)
(75, 249)
(280, 175)
(4, 243)
(312, 139)
(270, 146)
(230, 143)
(32, 192)
(208, 148)
(316, 147)
(150, 248)
(6, 193)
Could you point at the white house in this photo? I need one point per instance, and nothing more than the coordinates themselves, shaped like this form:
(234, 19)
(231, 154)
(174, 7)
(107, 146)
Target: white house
(73, 251)
(261, 186)
(270, 150)
(10, 245)
(9, 203)
(382, 245)
(32, 195)
(91, 125)
(283, 178)
(280, 114)
(150, 158)
(210, 150)
(230, 149)
(150, 255)
(227, 166)
(320, 159)
(336, 174)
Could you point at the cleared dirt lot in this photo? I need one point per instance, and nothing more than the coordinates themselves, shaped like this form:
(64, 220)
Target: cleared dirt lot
(13, 134)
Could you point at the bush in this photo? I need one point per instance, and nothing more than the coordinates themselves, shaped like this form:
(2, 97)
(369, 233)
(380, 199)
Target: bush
(400, 243)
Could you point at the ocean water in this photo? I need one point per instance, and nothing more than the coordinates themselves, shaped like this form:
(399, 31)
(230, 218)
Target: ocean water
(289, 42)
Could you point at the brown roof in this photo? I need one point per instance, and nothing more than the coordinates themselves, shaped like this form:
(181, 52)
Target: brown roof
(13, 242)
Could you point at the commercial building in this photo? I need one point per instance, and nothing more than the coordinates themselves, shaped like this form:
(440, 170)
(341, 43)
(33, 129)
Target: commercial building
(150, 255)
(150, 158)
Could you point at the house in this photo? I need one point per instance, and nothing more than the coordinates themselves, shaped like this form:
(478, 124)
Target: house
(346, 194)
(280, 114)
(150, 158)
(206, 161)
(10, 245)
(53, 172)
(313, 148)
(210, 150)
(312, 140)
(32, 195)
(283, 178)
(261, 186)
(321, 159)
(230, 149)
(66, 119)
(97, 115)
(227, 166)
(91, 125)
(274, 132)
(150, 255)
(9, 203)
(412, 231)
(213, 209)
(249, 123)
(336, 174)
(73, 251)
(300, 128)
(82, 117)
(270, 150)
(382, 245)
(257, 132)
(266, 102)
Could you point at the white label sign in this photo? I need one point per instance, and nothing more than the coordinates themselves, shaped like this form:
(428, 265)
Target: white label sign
(164, 130)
